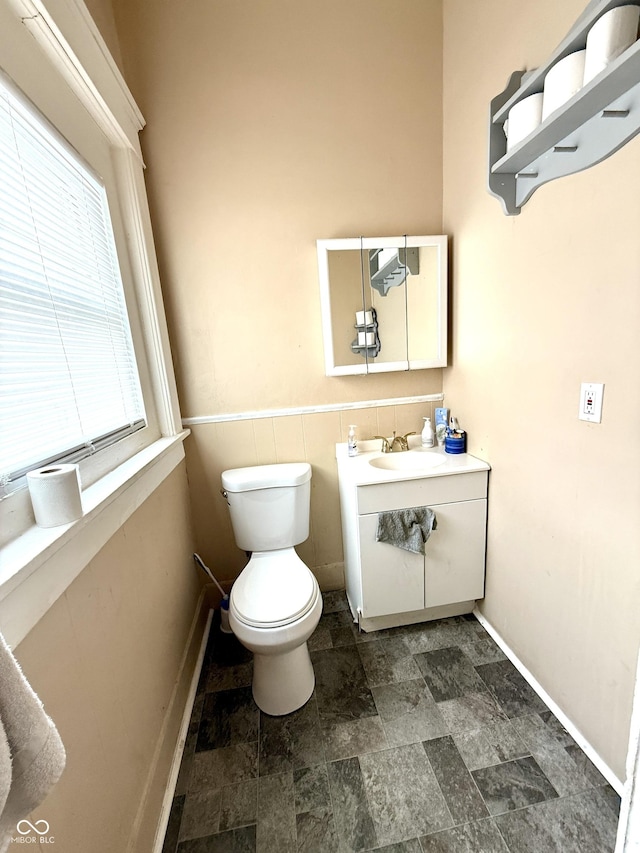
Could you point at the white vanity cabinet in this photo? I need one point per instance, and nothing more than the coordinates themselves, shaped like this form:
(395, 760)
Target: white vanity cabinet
(389, 586)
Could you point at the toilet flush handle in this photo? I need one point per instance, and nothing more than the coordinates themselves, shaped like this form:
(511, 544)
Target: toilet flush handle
(225, 495)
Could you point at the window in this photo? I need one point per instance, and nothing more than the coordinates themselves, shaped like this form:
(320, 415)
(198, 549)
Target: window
(85, 354)
(69, 383)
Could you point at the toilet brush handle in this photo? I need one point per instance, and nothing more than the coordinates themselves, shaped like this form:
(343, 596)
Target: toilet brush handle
(200, 562)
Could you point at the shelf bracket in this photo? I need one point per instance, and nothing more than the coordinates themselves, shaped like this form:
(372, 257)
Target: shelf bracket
(502, 186)
(575, 127)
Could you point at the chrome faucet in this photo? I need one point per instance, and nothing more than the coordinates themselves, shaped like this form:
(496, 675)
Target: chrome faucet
(398, 444)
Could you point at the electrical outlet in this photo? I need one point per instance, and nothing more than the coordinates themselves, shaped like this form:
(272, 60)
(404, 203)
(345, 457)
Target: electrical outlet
(591, 394)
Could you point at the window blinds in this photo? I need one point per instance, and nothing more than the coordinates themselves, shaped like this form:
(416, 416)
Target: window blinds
(68, 376)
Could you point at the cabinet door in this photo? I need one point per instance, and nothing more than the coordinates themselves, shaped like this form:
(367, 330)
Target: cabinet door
(392, 579)
(455, 553)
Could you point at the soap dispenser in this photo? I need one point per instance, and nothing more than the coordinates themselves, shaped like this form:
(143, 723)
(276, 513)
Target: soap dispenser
(352, 443)
(427, 433)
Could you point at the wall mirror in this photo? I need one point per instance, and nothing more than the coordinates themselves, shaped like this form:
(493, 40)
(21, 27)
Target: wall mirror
(384, 303)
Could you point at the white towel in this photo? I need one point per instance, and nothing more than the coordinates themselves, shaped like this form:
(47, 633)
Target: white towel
(5, 768)
(32, 740)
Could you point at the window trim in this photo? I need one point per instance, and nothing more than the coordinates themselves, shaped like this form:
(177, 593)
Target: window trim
(73, 46)
(66, 32)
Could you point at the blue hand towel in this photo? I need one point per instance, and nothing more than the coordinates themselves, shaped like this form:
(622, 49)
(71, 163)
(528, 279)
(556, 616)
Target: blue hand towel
(408, 529)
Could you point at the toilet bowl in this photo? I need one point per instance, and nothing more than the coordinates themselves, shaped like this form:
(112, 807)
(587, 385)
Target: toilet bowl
(275, 603)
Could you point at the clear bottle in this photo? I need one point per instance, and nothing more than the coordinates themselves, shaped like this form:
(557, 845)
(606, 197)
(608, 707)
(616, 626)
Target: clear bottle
(427, 433)
(352, 442)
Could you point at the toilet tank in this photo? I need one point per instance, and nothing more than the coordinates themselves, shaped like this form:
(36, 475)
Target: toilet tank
(269, 505)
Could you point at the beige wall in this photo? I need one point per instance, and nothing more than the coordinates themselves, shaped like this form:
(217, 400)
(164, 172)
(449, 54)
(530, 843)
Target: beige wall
(105, 661)
(102, 13)
(542, 302)
(271, 125)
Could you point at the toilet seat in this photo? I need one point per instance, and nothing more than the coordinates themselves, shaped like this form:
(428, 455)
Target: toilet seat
(274, 590)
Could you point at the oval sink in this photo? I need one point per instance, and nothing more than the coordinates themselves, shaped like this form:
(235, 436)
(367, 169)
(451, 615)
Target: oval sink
(410, 460)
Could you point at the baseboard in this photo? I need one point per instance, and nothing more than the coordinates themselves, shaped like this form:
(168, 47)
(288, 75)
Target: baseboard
(579, 738)
(167, 800)
(628, 840)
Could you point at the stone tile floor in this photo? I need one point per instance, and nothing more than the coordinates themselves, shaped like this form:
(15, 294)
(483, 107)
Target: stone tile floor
(422, 739)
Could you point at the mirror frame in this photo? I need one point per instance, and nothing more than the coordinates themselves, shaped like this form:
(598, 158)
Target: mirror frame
(440, 241)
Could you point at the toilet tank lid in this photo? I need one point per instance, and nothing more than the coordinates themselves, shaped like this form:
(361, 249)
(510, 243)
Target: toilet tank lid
(266, 476)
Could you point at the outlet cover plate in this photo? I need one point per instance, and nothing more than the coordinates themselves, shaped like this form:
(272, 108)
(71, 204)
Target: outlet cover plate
(591, 394)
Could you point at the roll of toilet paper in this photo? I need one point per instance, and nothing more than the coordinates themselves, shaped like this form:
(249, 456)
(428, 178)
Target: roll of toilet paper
(563, 80)
(55, 494)
(523, 119)
(610, 36)
(364, 318)
(366, 339)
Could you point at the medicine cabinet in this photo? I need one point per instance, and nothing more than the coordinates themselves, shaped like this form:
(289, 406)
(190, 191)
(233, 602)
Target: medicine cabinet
(594, 123)
(384, 303)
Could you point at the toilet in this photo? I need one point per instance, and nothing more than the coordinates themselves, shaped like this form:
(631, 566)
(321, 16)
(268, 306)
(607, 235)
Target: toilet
(275, 603)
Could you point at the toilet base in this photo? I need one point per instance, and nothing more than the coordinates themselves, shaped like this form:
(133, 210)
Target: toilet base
(284, 682)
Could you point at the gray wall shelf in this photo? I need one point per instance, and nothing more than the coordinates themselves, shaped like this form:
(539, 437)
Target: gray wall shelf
(592, 125)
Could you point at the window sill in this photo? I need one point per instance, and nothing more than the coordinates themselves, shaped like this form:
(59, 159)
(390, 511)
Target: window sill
(38, 566)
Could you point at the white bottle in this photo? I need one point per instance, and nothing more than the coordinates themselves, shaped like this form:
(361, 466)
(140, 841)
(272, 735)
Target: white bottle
(352, 444)
(427, 433)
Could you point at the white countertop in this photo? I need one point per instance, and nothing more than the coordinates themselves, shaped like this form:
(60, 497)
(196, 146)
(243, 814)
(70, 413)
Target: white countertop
(358, 470)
